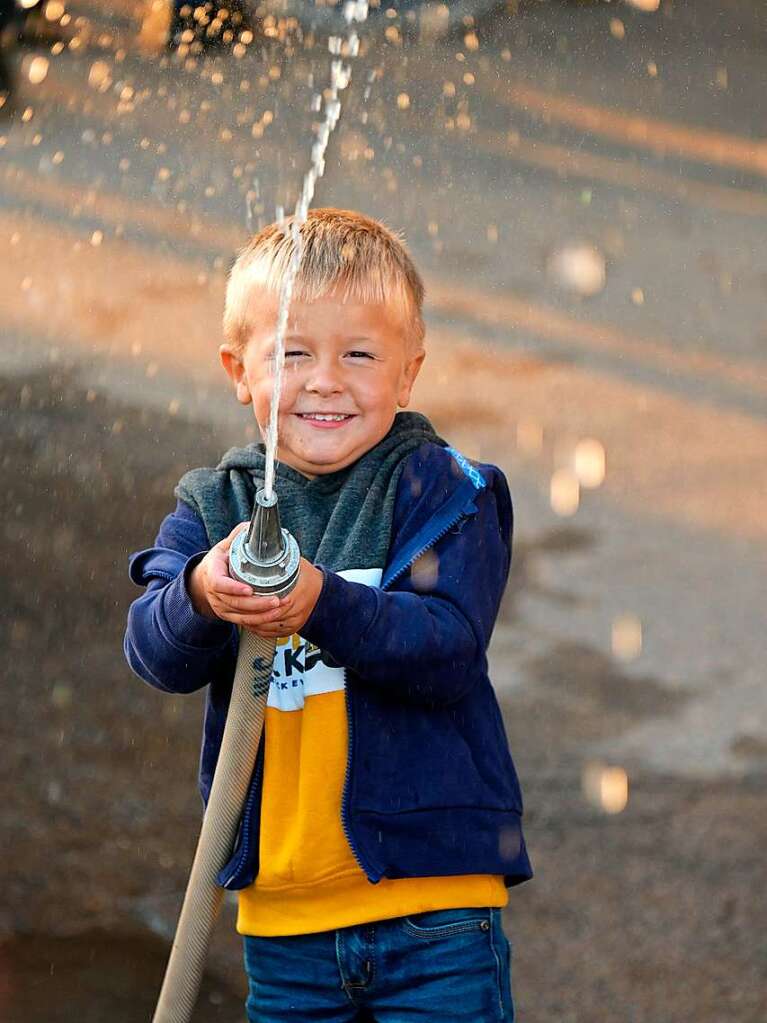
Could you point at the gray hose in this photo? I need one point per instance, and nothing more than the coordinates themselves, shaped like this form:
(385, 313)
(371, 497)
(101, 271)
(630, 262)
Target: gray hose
(236, 760)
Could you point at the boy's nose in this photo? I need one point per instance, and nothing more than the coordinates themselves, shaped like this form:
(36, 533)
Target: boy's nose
(324, 380)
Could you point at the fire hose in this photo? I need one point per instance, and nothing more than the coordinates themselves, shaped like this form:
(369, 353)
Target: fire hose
(266, 557)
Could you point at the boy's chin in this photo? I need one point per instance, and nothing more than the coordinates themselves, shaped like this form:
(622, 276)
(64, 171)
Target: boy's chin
(322, 459)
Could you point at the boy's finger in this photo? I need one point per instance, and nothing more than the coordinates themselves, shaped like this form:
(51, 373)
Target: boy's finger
(250, 621)
(249, 604)
(225, 584)
(273, 620)
(226, 543)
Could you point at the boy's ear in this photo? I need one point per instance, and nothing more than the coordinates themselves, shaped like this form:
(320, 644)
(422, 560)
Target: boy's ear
(235, 370)
(410, 372)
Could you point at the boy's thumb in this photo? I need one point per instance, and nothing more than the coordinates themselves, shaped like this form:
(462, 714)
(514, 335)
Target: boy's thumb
(227, 543)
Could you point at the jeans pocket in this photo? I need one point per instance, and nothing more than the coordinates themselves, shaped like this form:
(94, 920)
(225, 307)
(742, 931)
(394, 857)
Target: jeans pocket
(440, 923)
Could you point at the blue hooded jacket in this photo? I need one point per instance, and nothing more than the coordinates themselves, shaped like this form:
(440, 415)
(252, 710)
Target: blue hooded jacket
(431, 788)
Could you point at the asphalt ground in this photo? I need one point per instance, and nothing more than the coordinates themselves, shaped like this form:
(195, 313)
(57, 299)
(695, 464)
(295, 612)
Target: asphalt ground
(631, 645)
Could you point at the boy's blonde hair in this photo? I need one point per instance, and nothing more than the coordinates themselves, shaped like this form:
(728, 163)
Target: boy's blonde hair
(342, 250)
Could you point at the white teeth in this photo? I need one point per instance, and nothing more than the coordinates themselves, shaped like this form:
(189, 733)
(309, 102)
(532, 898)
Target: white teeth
(323, 418)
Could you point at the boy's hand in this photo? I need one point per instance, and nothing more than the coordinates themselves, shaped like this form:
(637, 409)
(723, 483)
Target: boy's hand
(215, 594)
(294, 610)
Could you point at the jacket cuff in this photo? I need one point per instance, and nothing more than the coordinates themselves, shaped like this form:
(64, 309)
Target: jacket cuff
(342, 615)
(180, 620)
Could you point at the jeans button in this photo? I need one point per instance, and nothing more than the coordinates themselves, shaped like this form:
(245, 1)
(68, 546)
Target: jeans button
(485, 925)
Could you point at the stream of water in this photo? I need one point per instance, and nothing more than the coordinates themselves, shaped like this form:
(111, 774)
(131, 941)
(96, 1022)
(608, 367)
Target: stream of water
(355, 12)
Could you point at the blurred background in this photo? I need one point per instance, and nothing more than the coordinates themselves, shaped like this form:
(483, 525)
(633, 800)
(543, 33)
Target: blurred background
(583, 186)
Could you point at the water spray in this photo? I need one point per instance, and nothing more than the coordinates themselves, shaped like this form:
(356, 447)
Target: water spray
(266, 557)
(340, 76)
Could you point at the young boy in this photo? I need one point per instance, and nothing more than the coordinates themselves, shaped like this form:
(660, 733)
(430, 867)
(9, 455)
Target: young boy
(382, 826)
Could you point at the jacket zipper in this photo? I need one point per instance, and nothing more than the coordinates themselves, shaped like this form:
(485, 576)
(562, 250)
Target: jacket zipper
(422, 550)
(376, 876)
(373, 877)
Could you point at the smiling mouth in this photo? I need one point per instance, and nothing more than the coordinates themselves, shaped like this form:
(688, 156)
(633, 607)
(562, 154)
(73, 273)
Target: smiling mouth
(325, 417)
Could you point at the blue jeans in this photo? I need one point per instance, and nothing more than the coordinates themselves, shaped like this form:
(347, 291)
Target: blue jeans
(444, 966)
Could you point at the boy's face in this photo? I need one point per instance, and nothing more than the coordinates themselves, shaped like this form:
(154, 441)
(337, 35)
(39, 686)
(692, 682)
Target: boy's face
(348, 361)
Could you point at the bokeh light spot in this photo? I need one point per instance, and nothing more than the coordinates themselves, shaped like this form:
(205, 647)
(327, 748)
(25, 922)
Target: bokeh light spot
(627, 637)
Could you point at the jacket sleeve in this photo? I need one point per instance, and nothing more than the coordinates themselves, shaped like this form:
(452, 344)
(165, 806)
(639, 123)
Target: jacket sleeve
(167, 643)
(425, 640)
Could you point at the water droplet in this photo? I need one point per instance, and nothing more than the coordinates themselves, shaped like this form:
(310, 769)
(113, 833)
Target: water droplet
(36, 69)
(626, 637)
(100, 75)
(54, 10)
(425, 572)
(564, 492)
(403, 101)
(606, 787)
(589, 462)
(578, 267)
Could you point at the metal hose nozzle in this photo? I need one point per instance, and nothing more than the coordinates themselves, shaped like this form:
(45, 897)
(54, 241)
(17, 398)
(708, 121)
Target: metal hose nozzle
(265, 555)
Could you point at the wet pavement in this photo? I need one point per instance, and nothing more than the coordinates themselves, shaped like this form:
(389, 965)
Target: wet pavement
(631, 639)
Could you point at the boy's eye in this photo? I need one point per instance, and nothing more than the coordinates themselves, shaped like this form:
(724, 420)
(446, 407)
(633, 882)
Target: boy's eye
(360, 355)
(294, 354)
